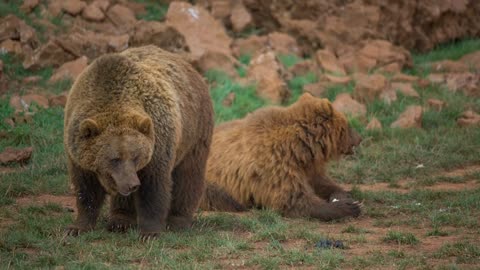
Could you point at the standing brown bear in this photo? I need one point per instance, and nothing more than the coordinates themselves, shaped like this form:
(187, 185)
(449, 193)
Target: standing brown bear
(138, 126)
(276, 158)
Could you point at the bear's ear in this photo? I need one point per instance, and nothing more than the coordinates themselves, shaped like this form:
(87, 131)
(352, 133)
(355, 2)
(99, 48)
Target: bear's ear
(89, 128)
(330, 107)
(305, 96)
(324, 110)
(145, 125)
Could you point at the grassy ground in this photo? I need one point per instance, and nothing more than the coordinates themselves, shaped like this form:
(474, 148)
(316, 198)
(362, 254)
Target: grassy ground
(409, 221)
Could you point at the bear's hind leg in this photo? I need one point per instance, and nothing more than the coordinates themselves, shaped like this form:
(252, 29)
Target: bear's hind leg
(188, 185)
(122, 213)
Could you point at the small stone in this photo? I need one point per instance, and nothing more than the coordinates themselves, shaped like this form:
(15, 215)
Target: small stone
(10, 155)
(249, 46)
(302, 68)
(265, 69)
(29, 5)
(31, 79)
(9, 121)
(337, 80)
(344, 103)
(410, 118)
(436, 104)
(449, 66)
(436, 78)
(23, 117)
(240, 17)
(93, 12)
(118, 43)
(58, 101)
(369, 87)
(228, 101)
(374, 124)
(70, 70)
(122, 17)
(329, 62)
(284, 44)
(469, 118)
(317, 89)
(400, 77)
(73, 7)
(405, 88)
(423, 83)
(23, 103)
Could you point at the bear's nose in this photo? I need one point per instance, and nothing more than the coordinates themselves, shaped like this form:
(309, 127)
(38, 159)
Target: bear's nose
(133, 188)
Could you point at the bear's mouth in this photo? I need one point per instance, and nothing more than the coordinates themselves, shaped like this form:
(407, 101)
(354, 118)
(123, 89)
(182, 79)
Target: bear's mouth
(108, 184)
(127, 193)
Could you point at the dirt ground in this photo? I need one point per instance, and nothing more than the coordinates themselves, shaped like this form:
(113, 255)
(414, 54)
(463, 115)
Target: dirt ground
(371, 240)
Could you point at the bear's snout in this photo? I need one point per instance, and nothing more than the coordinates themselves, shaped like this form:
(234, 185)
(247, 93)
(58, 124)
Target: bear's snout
(126, 180)
(134, 188)
(130, 187)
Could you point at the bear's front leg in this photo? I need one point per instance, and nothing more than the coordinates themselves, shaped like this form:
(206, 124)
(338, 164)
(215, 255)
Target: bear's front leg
(89, 197)
(152, 201)
(327, 189)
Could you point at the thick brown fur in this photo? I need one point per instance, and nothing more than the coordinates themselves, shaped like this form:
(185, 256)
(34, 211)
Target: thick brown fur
(275, 158)
(138, 126)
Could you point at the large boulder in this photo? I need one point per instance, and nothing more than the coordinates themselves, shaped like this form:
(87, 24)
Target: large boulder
(240, 17)
(122, 17)
(204, 35)
(412, 24)
(51, 54)
(410, 118)
(249, 45)
(159, 34)
(369, 87)
(201, 31)
(12, 28)
(266, 71)
(329, 62)
(70, 70)
(347, 105)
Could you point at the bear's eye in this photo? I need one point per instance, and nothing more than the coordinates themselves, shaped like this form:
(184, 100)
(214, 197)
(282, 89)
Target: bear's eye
(115, 162)
(136, 159)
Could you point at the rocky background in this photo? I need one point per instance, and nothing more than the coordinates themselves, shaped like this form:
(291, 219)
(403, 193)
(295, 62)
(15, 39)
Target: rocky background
(406, 72)
(339, 42)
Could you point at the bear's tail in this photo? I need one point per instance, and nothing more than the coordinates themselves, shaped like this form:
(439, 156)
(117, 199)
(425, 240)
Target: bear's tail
(216, 198)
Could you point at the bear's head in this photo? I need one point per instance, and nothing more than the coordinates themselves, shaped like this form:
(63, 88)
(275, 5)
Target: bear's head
(116, 146)
(328, 128)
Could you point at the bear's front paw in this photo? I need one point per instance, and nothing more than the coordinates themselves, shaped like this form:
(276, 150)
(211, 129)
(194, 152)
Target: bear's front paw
(338, 196)
(179, 223)
(120, 224)
(75, 230)
(348, 207)
(148, 236)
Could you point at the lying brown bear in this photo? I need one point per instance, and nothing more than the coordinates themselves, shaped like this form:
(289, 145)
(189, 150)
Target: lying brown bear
(276, 157)
(138, 126)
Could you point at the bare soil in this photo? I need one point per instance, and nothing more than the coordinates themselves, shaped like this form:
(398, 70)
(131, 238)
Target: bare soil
(358, 244)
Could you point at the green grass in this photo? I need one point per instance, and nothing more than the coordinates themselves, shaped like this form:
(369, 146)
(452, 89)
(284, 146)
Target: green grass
(12, 7)
(155, 11)
(14, 70)
(288, 60)
(296, 85)
(245, 100)
(401, 238)
(464, 251)
(31, 236)
(449, 51)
